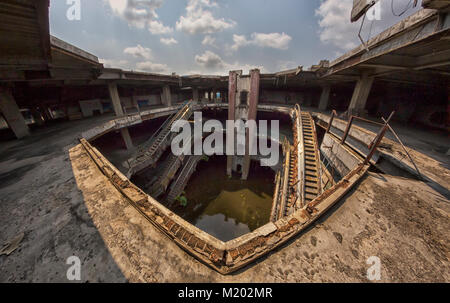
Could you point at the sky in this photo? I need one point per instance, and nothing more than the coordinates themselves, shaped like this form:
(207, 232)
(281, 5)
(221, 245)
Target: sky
(212, 37)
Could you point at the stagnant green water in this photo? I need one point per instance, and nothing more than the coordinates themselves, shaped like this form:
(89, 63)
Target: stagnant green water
(227, 208)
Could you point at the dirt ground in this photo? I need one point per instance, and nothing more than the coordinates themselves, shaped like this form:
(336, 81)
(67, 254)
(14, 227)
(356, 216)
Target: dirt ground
(53, 192)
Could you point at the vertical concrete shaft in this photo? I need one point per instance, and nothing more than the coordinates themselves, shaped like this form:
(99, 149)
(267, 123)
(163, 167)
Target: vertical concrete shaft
(166, 96)
(232, 89)
(360, 95)
(214, 95)
(11, 112)
(325, 98)
(114, 95)
(252, 113)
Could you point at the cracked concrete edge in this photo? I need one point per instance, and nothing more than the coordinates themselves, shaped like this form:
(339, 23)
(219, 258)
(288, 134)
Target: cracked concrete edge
(235, 254)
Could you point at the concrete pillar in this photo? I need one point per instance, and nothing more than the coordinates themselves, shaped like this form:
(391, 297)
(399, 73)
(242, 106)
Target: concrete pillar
(325, 98)
(360, 95)
(209, 96)
(166, 96)
(195, 94)
(251, 85)
(11, 112)
(126, 138)
(252, 113)
(214, 92)
(115, 99)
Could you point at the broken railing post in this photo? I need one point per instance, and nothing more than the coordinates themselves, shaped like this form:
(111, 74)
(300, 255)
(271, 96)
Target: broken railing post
(347, 130)
(373, 146)
(333, 114)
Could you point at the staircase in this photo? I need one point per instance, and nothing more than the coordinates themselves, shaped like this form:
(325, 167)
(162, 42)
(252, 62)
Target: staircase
(149, 153)
(299, 181)
(311, 160)
(168, 173)
(292, 182)
(182, 179)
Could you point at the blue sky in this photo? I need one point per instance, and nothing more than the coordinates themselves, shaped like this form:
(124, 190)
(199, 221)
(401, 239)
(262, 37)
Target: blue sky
(214, 36)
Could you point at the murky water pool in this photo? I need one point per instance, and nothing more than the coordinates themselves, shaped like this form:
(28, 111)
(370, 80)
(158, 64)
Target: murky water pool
(227, 207)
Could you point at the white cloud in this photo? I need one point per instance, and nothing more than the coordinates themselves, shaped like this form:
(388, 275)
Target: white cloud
(271, 40)
(139, 52)
(168, 41)
(110, 63)
(208, 40)
(200, 20)
(214, 64)
(157, 28)
(335, 24)
(149, 66)
(140, 14)
(337, 30)
(209, 60)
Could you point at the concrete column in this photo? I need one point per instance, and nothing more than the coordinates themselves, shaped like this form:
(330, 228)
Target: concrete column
(195, 94)
(166, 96)
(360, 95)
(214, 96)
(325, 98)
(126, 138)
(252, 113)
(12, 114)
(115, 99)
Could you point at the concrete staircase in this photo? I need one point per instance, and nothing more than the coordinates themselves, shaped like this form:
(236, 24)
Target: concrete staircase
(169, 171)
(149, 153)
(311, 161)
(299, 180)
(182, 179)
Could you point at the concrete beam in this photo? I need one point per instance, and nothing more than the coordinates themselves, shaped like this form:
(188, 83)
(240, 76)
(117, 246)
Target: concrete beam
(360, 95)
(325, 98)
(11, 112)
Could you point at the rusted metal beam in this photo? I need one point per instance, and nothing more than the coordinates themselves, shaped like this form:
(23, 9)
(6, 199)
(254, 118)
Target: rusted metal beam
(333, 114)
(347, 130)
(373, 146)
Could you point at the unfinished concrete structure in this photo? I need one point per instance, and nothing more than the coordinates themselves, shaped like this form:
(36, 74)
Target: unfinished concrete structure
(243, 97)
(70, 195)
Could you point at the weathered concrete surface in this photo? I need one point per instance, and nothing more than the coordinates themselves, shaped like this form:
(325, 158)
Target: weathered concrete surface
(426, 147)
(66, 207)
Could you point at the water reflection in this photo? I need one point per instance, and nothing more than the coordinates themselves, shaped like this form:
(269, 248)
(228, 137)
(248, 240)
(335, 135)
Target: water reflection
(227, 207)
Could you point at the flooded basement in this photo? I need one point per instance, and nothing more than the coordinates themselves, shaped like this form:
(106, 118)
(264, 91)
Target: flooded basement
(224, 207)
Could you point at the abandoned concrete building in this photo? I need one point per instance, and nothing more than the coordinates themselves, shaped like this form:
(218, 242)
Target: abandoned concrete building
(364, 170)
